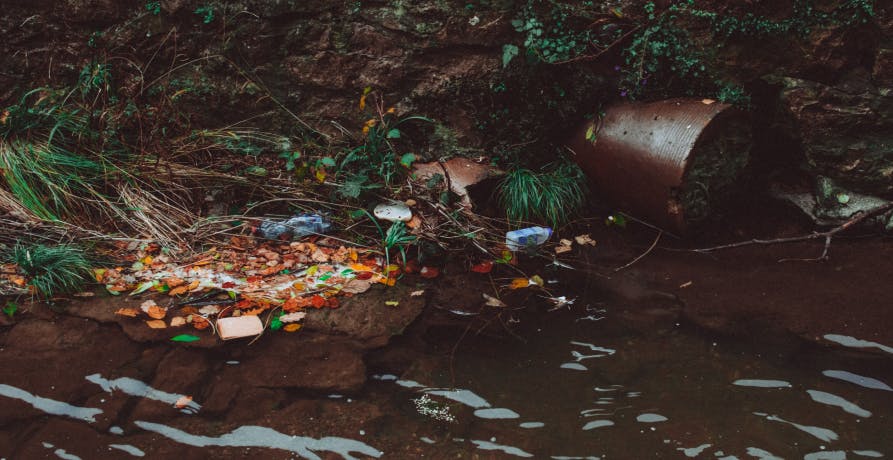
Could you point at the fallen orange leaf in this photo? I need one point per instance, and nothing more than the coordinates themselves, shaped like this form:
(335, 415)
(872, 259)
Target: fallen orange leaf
(291, 327)
(291, 305)
(200, 323)
(156, 312)
(193, 285)
(156, 324)
(174, 282)
(519, 283)
(178, 291)
(183, 402)
(130, 312)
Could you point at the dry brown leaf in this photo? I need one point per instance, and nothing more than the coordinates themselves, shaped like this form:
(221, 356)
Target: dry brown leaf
(156, 324)
(178, 291)
(193, 285)
(156, 312)
(178, 321)
(200, 323)
(356, 286)
(129, 312)
(493, 301)
(292, 317)
(414, 223)
(183, 402)
(84, 294)
(319, 256)
(584, 239)
(174, 282)
(562, 249)
(416, 293)
(209, 309)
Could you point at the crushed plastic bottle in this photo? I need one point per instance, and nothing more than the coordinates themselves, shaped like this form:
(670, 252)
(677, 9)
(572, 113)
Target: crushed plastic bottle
(293, 228)
(527, 237)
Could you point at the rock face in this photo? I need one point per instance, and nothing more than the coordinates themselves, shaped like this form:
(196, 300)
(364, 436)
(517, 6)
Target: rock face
(846, 129)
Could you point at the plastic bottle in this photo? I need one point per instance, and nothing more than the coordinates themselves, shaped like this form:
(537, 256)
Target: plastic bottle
(527, 237)
(293, 228)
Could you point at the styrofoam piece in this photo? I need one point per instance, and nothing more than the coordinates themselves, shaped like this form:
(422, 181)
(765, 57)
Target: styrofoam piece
(393, 212)
(236, 327)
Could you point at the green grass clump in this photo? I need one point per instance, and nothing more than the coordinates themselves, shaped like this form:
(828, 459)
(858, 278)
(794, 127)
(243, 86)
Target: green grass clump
(551, 196)
(52, 269)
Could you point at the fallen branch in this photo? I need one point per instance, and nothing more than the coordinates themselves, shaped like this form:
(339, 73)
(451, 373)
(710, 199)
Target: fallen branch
(827, 235)
(641, 256)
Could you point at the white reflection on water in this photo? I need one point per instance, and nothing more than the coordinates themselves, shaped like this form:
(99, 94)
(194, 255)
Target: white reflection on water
(50, 406)
(132, 450)
(861, 380)
(837, 401)
(693, 452)
(761, 454)
(759, 383)
(268, 438)
(487, 445)
(853, 342)
(135, 387)
(822, 433)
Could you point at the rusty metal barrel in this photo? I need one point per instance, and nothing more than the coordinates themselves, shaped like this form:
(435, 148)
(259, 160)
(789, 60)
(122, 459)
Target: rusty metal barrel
(667, 162)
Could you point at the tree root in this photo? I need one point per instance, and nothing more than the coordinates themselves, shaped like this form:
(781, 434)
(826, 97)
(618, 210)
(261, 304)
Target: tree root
(827, 235)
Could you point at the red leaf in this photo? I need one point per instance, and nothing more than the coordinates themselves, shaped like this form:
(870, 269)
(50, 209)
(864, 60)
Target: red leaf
(317, 301)
(483, 267)
(429, 272)
(363, 275)
(332, 302)
(228, 285)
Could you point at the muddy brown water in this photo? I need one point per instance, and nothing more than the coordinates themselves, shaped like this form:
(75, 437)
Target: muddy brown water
(749, 360)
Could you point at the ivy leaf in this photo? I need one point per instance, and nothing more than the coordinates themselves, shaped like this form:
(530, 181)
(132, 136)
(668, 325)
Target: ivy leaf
(407, 159)
(327, 161)
(276, 323)
(10, 308)
(509, 52)
(259, 171)
(394, 134)
(186, 338)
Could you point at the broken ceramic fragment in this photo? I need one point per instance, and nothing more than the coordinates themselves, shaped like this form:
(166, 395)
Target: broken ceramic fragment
(239, 326)
(460, 173)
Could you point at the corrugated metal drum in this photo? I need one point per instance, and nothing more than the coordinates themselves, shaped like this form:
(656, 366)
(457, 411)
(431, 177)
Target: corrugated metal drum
(637, 155)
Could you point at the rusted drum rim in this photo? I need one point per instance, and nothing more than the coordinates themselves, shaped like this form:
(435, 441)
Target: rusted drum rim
(638, 154)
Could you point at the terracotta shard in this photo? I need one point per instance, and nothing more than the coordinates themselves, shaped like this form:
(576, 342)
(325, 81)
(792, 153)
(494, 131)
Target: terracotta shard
(460, 173)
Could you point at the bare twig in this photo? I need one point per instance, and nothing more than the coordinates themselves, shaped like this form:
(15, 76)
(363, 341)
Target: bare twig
(641, 256)
(827, 235)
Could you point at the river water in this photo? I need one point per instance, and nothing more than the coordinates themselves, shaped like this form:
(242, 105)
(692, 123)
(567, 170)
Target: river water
(575, 383)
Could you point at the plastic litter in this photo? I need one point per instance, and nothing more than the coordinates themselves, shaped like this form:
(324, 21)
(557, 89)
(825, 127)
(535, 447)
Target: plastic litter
(294, 228)
(393, 212)
(529, 237)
